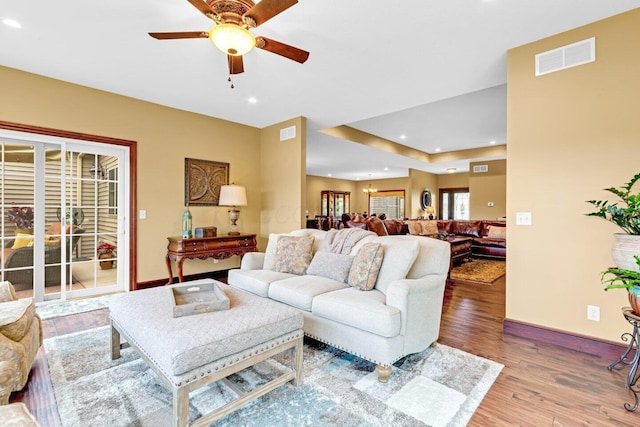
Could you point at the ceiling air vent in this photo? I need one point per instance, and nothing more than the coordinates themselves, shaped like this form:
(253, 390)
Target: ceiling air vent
(480, 168)
(567, 56)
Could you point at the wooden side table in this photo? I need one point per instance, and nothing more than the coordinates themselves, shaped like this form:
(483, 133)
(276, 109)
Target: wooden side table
(624, 361)
(219, 247)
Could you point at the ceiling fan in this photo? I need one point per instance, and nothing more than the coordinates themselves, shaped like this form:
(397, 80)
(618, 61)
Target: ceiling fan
(231, 33)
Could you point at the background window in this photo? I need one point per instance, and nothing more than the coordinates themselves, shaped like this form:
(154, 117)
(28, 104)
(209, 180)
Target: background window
(391, 203)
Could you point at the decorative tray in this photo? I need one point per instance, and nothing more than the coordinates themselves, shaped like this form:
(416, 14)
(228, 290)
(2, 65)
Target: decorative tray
(196, 299)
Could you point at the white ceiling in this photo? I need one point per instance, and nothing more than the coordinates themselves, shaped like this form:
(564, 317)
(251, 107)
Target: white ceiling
(434, 71)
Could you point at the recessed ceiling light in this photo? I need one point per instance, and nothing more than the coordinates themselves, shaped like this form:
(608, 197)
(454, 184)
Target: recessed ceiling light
(328, 174)
(437, 150)
(386, 169)
(252, 100)
(11, 22)
(451, 170)
(403, 136)
(492, 143)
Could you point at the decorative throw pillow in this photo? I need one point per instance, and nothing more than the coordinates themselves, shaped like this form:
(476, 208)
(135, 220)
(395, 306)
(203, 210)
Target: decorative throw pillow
(415, 227)
(331, 265)
(293, 254)
(496, 232)
(22, 240)
(429, 227)
(365, 267)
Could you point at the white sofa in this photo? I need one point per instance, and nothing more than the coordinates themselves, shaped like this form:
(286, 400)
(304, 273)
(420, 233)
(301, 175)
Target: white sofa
(400, 316)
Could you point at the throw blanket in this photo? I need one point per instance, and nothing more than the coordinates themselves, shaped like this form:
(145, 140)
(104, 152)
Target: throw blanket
(343, 240)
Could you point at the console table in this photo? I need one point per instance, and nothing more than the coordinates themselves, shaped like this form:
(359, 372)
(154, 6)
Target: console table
(219, 247)
(625, 361)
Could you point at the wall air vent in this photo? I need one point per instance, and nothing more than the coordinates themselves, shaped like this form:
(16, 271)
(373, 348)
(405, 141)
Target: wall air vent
(567, 56)
(480, 168)
(287, 133)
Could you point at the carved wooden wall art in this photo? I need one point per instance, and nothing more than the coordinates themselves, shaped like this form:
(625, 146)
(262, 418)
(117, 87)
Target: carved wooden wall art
(202, 181)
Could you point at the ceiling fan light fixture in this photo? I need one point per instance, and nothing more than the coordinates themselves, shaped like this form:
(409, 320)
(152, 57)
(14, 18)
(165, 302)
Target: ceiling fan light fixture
(232, 39)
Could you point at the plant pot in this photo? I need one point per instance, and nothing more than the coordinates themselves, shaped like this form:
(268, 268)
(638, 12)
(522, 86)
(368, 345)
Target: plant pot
(625, 247)
(634, 299)
(106, 265)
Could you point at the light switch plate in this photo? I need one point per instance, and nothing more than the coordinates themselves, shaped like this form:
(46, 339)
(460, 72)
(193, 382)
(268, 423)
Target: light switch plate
(143, 214)
(523, 218)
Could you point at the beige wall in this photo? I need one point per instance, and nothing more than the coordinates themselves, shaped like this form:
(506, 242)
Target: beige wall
(165, 137)
(360, 199)
(453, 180)
(570, 134)
(283, 179)
(420, 181)
(488, 187)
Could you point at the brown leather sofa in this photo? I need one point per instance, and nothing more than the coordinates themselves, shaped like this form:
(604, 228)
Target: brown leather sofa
(489, 236)
(382, 227)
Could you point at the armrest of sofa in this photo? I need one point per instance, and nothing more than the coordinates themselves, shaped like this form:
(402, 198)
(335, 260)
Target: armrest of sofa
(420, 305)
(252, 261)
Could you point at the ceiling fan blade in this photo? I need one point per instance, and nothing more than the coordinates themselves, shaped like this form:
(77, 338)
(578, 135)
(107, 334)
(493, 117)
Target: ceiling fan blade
(236, 65)
(180, 35)
(203, 7)
(267, 9)
(282, 49)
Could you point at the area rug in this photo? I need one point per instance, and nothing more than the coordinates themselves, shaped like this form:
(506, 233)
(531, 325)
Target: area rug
(479, 270)
(441, 386)
(47, 310)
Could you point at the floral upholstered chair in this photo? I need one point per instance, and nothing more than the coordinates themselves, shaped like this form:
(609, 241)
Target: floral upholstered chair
(20, 339)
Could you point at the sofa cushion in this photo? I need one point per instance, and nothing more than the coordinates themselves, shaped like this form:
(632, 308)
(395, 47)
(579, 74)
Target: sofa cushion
(299, 291)
(16, 318)
(293, 254)
(486, 241)
(255, 281)
(367, 311)
(394, 226)
(466, 228)
(365, 267)
(496, 232)
(331, 265)
(399, 255)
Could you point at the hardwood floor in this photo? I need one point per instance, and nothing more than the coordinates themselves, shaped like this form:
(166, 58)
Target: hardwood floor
(541, 384)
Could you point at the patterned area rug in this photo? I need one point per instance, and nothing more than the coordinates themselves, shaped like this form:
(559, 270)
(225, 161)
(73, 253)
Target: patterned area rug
(480, 270)
(441, 386)
(47, 310)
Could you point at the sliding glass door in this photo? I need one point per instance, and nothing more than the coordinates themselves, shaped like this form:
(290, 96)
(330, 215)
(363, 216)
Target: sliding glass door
(63, 216)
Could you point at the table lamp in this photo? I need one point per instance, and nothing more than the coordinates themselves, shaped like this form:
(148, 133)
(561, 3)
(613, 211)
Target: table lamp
(233, 195)
(431, 210)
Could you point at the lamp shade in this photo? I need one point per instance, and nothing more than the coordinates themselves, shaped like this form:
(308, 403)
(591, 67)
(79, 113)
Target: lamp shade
(431, 210)
(232, 39)
(232, 195)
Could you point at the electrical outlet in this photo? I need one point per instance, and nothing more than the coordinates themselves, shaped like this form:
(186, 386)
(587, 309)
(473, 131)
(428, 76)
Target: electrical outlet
(523, 218)
(143, 214)
(593, 313)
(215, 261)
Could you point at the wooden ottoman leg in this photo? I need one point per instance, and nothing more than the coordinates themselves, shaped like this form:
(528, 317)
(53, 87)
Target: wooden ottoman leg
(180, 407)
(296, 364)
(115, 343)
(384, 372)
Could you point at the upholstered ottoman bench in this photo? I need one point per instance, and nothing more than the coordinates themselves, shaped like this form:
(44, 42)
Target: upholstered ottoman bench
(192, 351)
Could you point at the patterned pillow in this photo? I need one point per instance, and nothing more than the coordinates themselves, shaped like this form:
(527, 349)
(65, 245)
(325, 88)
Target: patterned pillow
(415, 227)
(293, 254)
(496, 232)
(331, 265)
(429, 227)
(365, 267)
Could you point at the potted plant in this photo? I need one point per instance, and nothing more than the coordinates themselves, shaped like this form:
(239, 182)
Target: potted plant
(22, 217)
(627, 217)
(620, 278)
(106, 251)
